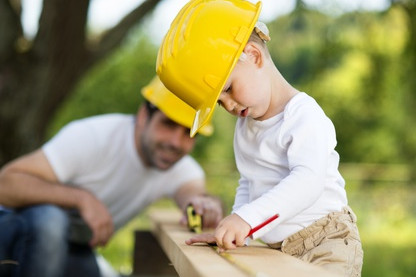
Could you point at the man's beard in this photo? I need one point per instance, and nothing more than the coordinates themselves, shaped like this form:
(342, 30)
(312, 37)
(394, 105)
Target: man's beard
(154, 160)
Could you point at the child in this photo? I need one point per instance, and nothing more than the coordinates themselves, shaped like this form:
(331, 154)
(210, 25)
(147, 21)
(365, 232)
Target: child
(284, 143)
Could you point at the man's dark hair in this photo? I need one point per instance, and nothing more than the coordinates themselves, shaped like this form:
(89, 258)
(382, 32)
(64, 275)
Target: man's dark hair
(151, 109)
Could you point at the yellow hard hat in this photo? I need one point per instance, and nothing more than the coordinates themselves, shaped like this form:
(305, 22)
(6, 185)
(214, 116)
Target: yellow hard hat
(173, 107)
(200, 50)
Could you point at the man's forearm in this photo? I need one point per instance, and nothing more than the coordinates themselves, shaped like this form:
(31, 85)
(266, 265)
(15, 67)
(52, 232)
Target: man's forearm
(19, 189)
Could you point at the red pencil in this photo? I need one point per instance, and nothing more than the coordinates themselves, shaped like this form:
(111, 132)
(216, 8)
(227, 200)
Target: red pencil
(261, 225)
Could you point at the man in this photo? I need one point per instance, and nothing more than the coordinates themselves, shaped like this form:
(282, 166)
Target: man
(93, 177)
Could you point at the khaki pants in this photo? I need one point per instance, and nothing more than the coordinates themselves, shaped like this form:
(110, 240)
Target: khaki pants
(332, 242)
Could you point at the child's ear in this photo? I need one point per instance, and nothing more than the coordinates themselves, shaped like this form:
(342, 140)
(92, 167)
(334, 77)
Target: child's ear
(254, 54)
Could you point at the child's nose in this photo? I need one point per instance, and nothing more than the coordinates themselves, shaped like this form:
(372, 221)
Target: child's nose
(227, 103)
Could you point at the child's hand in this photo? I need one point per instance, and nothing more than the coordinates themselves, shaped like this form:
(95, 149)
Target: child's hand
(231, 232)
(204, 238)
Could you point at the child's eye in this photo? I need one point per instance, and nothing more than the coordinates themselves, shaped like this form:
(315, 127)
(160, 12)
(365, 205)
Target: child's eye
(228, 89)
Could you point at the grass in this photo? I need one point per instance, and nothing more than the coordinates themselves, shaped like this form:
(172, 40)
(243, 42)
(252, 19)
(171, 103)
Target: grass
(387, 226)
(386, 220)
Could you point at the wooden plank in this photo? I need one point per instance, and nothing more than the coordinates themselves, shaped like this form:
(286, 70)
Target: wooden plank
(149, 258)
(204, 261)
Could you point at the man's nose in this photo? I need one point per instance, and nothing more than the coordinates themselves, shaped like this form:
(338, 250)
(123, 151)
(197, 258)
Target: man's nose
(178, 136)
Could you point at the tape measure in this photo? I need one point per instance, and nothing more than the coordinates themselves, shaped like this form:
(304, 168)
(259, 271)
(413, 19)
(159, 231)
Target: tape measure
(194, 220)
(243, 267)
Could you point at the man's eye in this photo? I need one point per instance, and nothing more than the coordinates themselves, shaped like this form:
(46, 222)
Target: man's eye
(170, 123)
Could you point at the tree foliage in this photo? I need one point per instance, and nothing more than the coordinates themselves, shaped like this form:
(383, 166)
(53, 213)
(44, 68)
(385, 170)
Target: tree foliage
(354, 65)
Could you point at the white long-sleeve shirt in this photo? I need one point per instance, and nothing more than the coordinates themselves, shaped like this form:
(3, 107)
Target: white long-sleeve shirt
(288, 166)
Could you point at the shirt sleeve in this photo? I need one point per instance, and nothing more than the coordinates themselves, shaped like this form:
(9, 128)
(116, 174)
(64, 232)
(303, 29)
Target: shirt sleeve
(309, 136)
(71, 151)
(242, 194)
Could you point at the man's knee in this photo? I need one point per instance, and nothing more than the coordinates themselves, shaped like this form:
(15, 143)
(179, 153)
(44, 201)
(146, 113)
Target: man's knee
(46, 222)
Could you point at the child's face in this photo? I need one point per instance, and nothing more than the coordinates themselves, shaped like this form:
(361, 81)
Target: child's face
(245, 92)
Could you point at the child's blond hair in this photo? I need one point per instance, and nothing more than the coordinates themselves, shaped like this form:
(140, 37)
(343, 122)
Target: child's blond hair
(260, 35)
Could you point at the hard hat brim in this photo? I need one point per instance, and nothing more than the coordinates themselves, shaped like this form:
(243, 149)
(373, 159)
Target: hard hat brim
(173, 107)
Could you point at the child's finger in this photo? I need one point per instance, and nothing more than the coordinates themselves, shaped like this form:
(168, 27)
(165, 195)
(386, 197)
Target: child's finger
(202, 238)
(228, 240)
(240, 240)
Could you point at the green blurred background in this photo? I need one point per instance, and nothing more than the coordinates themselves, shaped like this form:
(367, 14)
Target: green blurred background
(359, 66)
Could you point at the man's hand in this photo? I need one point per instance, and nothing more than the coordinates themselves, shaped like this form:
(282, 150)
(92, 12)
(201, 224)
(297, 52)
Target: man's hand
(209, 207)
(97, 217)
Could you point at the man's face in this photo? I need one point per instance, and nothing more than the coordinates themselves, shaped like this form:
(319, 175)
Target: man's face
(162, 142)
